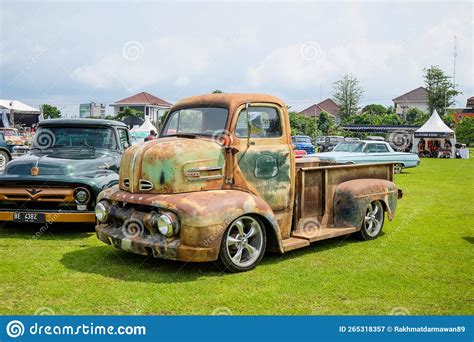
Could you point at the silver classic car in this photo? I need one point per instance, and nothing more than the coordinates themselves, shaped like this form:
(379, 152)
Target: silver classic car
(368, 151)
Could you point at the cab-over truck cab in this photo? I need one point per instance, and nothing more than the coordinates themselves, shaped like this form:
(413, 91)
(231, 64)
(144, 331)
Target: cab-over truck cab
(222, 184)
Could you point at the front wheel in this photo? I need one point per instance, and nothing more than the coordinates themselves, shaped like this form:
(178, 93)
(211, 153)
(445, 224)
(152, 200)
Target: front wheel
(373, 221)
(243, 244)
(4, 159)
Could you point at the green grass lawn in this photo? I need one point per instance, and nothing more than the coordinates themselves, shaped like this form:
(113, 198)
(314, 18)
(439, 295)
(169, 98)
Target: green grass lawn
(421, 264)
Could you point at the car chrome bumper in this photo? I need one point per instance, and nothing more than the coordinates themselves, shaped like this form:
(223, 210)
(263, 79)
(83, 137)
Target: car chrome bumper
(156, 245)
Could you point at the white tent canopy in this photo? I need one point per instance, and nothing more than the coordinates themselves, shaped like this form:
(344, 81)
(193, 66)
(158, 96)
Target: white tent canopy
(147, 126)
(434, 129)
(434, 125)
(17, 106)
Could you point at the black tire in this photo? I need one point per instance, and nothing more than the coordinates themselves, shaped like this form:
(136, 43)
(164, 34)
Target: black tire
(398, 168)
(4, 159)
(259, 240)
(367, 231)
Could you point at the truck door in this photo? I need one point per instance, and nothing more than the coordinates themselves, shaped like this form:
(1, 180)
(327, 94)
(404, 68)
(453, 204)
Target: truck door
(264, 157)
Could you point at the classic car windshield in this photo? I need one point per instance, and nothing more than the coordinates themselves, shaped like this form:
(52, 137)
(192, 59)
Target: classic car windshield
(349, 147)
(75, 137)
(198, 121)
(10, 133)
(304, 140)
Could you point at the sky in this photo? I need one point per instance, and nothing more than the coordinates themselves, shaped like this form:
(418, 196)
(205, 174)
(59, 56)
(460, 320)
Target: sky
(67, 53)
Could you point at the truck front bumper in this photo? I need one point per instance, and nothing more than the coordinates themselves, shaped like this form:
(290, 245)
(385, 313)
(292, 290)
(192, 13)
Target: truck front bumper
(52, 217)
(156, 245)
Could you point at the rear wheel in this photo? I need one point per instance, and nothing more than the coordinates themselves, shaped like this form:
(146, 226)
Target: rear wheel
(4, 159)
(243, 244)
(373, 221)
(397, 168)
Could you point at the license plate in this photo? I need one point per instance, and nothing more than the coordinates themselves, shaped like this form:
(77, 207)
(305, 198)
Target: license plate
(29, 217)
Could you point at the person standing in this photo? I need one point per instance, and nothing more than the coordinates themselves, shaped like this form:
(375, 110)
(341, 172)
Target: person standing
(151, 136)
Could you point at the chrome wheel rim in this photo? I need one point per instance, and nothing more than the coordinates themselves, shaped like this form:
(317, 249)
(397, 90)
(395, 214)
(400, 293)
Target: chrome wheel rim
(244, 241)
(3, 162)
(373, 219)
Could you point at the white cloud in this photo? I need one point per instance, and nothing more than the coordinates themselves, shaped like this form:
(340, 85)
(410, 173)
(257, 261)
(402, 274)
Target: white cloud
(289, 66)
(136, 65)
(386, 65)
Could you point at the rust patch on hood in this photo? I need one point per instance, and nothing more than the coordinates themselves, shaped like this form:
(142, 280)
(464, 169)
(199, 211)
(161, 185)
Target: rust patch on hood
(173, 165)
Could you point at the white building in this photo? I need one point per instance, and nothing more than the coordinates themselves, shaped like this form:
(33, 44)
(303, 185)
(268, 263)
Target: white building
(151, 106)
(92, 110)
(416, 98)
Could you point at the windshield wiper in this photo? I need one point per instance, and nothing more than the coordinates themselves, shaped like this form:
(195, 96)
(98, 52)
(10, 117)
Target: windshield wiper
(42, 149)
(83, 144)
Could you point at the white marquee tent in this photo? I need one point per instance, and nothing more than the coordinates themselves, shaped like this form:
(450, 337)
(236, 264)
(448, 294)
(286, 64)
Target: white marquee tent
(17, 106)
(16, 112)
(147, 126)
(139, 133)
(434, 131)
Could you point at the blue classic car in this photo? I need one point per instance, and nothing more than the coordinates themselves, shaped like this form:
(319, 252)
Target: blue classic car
(367, 151)
(302, 142)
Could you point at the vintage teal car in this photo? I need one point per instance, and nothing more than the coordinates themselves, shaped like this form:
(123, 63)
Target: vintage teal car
(5, 154)
(368, 151)
(70, 162)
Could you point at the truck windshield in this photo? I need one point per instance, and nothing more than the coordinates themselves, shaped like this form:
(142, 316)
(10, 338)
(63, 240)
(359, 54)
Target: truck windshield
(196, 121)
(349, 147)
(75, 137)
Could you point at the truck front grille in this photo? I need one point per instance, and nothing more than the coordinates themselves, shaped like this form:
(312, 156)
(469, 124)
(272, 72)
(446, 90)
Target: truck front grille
(36, 194)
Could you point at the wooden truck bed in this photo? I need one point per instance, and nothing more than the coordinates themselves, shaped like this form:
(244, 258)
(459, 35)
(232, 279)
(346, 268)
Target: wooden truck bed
(316, 184)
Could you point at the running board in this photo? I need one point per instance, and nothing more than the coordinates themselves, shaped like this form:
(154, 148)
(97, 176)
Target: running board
(294, 243)
(316, 234)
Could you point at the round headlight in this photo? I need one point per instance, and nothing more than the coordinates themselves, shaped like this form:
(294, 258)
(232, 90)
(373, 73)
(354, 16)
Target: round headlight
(81, 196)
(102, 211)
(167, 224)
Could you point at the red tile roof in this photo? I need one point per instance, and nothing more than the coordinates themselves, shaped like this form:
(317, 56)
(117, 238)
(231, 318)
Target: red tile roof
(418, 94)
(144, 98)
(327, 105)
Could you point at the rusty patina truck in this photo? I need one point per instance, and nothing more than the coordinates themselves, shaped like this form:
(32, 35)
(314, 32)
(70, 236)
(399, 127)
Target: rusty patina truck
(221, 183)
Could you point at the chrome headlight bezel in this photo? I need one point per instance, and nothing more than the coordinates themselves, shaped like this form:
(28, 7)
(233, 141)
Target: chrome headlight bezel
(102, 211)
(79, 193)
(167, 224)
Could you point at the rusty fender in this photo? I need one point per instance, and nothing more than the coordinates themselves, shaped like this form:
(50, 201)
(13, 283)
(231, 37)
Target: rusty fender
(204, 216)
(352, 198)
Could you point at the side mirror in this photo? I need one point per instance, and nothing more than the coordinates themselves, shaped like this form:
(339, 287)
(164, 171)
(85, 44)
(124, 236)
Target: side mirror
(227, 140)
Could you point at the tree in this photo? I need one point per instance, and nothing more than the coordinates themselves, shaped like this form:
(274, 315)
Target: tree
(373, 119)
(415, 116)
(303, 125)
(465, 131)
(375, 109)
(347, 94)
(50, 112)
(325, 123)
(127, 112)
(217, 91)
(441, 90)
(448, 118)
